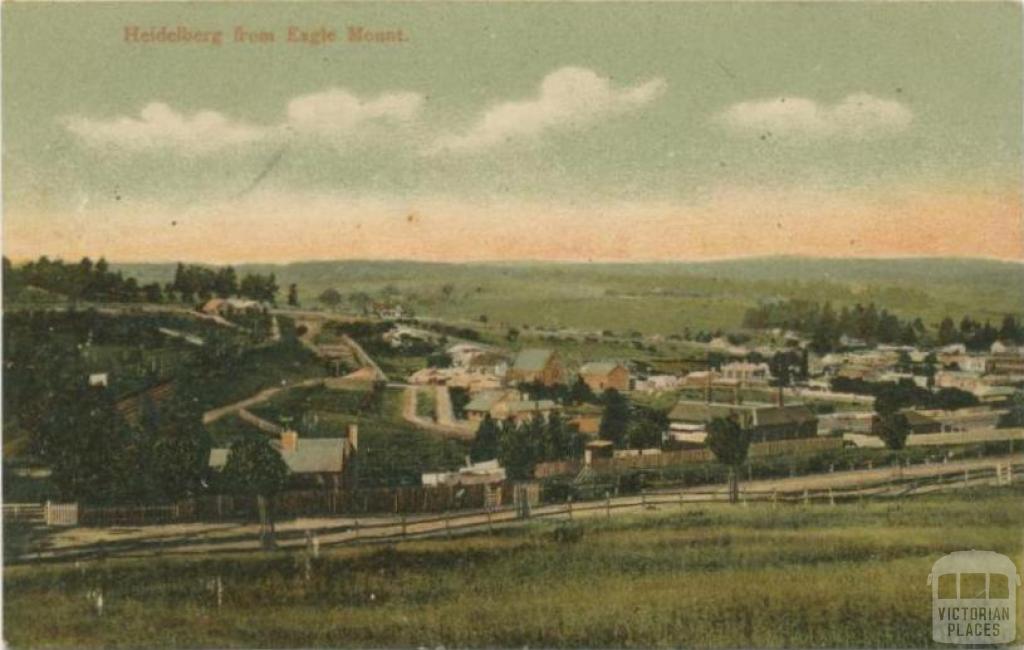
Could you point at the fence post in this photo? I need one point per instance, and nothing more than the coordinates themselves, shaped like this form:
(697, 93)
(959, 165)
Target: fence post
(570, 508)
(680, 498)
(966, 475)
(403, 524)
(607, 504)
(643, 497)
(447, 525)
(775, 498)
(490, 526)
(355, 523)
(807, 498)
(831, 497)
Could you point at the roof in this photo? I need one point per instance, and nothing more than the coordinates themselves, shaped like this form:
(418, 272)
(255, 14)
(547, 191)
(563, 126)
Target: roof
(918, 419)
(485, 400)
(528, 406)
(315, 455)
(779, 415)
(689, 411)
(533, 360)
(600, 367)
(311, 456)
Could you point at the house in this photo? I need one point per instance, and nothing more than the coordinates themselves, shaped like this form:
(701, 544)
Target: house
(969, 381)
(586, 418)
(1007, 363)
(504, 405)
(232, 306)
(746, 372)
(537, 365)
(1002, 347)
(470, 379)
(491, 362)
(101, 379)
(462, 354)
(388, 311)
(764, 421)
(658, 383)
(597, 449)
(602, 375)
(310, 461)
(487, 472)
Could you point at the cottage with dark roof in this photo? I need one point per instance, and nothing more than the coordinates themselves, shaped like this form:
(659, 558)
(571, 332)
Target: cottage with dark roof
(316, 461)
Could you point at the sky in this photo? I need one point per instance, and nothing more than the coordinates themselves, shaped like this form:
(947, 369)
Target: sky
(485, 131)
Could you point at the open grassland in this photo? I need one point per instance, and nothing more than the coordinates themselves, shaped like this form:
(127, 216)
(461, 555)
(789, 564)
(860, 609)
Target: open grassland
(703, 576)
(660, 298)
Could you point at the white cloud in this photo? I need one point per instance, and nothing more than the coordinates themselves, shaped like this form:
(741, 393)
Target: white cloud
(160, 126)
(339, 112)
(856, 116)
(567, 97)
(332, 113)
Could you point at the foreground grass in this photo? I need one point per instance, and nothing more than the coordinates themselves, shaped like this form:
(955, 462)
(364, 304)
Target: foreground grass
(714, 576)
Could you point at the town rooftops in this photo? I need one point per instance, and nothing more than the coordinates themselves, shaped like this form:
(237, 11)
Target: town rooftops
(533, 359)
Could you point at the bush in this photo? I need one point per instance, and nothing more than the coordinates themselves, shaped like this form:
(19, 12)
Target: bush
(567, 533)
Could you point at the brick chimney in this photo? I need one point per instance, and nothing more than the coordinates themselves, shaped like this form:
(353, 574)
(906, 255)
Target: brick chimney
(353, 436)
(289, 440)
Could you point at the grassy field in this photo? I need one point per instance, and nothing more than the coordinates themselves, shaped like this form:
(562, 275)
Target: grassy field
(707, 576)
(660, 298)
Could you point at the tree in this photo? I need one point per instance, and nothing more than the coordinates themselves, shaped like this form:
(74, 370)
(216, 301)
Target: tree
(644, 433)
(485, 444)
(947, 332)
(257, 469)
(580, 392)
(730, 443)
(951, 399)
(615, 420)
(293, 295)
(225, 282)
(893, 429)
(517, 451)
(330, 297)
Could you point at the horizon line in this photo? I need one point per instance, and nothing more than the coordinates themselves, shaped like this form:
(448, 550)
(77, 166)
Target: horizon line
(539, 261)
